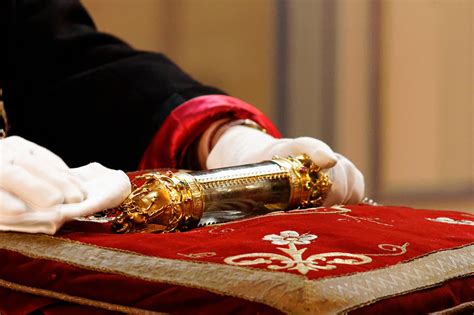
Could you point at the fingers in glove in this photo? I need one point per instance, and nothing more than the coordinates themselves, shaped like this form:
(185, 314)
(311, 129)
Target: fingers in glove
(281, 148)
(347, 183)
(10, 205)
(47, 222)
(28, 187)
(20, 146)
(319, 152)
(337, 193)
(61, 179)
(355, 181)
(106, 189)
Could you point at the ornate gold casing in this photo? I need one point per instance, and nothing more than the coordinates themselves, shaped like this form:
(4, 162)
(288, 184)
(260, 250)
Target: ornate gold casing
(163, 203)
(309, 185)
(177, 201)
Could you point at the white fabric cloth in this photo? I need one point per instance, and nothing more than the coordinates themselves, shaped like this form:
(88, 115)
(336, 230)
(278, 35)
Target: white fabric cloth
(39, 192)
(243, 145)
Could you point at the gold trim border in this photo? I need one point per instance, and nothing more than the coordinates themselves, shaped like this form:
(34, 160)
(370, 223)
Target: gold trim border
(283, 291)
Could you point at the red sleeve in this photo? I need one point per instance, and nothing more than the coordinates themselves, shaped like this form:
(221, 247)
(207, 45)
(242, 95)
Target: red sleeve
(188, 121)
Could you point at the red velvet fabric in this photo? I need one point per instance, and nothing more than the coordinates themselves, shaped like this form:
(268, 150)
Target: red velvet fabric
(188, 121)
(345, 232)
(452, 293)
(351, 229)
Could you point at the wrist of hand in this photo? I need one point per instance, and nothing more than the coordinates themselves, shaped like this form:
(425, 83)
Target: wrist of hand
(212, 135)
(243, 145)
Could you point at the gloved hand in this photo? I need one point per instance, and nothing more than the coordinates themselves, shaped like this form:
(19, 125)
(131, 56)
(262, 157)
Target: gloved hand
(243, 145)
(39, 192)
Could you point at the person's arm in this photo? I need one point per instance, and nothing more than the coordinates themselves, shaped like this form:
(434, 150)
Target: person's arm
(88, 96)
(83, 94)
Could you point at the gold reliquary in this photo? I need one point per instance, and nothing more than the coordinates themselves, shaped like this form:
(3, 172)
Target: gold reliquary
(178, 201)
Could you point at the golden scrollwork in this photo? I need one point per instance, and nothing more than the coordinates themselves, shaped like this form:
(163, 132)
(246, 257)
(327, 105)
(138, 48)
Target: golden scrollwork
(451, 221)
(198, 255)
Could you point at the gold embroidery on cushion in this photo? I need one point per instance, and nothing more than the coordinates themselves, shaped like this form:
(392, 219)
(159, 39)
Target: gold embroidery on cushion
(220, 230)
(348, 217)
(397, 250)
(361, 289)
(451, 221)
(287, 292)
(217, 278)
(336, 209)
(198, 255)
(295, 260)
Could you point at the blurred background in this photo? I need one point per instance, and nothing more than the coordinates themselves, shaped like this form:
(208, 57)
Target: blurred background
(387, 83)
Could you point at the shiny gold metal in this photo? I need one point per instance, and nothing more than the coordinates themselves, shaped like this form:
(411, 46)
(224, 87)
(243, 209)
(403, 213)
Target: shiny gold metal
(309, 184)
(163, 203)
(177, 201)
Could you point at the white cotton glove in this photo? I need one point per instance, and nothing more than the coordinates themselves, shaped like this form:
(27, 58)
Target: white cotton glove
(243, 145)
(39, 192)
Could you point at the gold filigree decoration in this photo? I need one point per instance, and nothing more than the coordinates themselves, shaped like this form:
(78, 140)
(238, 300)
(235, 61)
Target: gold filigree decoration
(451, 221)
(329, 295)
(395, 249)
(295, 260)
(346, 216)
(317, 210)
(198, 255)
(220, 230)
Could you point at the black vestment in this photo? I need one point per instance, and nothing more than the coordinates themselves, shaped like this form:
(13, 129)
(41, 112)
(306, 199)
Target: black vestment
(85, 95)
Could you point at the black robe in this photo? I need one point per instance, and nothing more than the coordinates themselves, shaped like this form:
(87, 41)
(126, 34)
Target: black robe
(83, 94)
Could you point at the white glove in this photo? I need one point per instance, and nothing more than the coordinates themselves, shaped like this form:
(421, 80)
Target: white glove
(39, 192)
(243, 145)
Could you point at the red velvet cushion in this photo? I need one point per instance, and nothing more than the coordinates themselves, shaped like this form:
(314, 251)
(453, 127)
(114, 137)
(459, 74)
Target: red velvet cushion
(360, 258)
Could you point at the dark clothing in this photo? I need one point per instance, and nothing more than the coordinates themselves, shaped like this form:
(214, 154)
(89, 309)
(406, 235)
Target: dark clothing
(85, 95)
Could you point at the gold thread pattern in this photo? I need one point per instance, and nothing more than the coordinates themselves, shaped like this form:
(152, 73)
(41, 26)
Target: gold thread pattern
(451, 221)
(303, 296)
(198, 255)
(294, 257)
